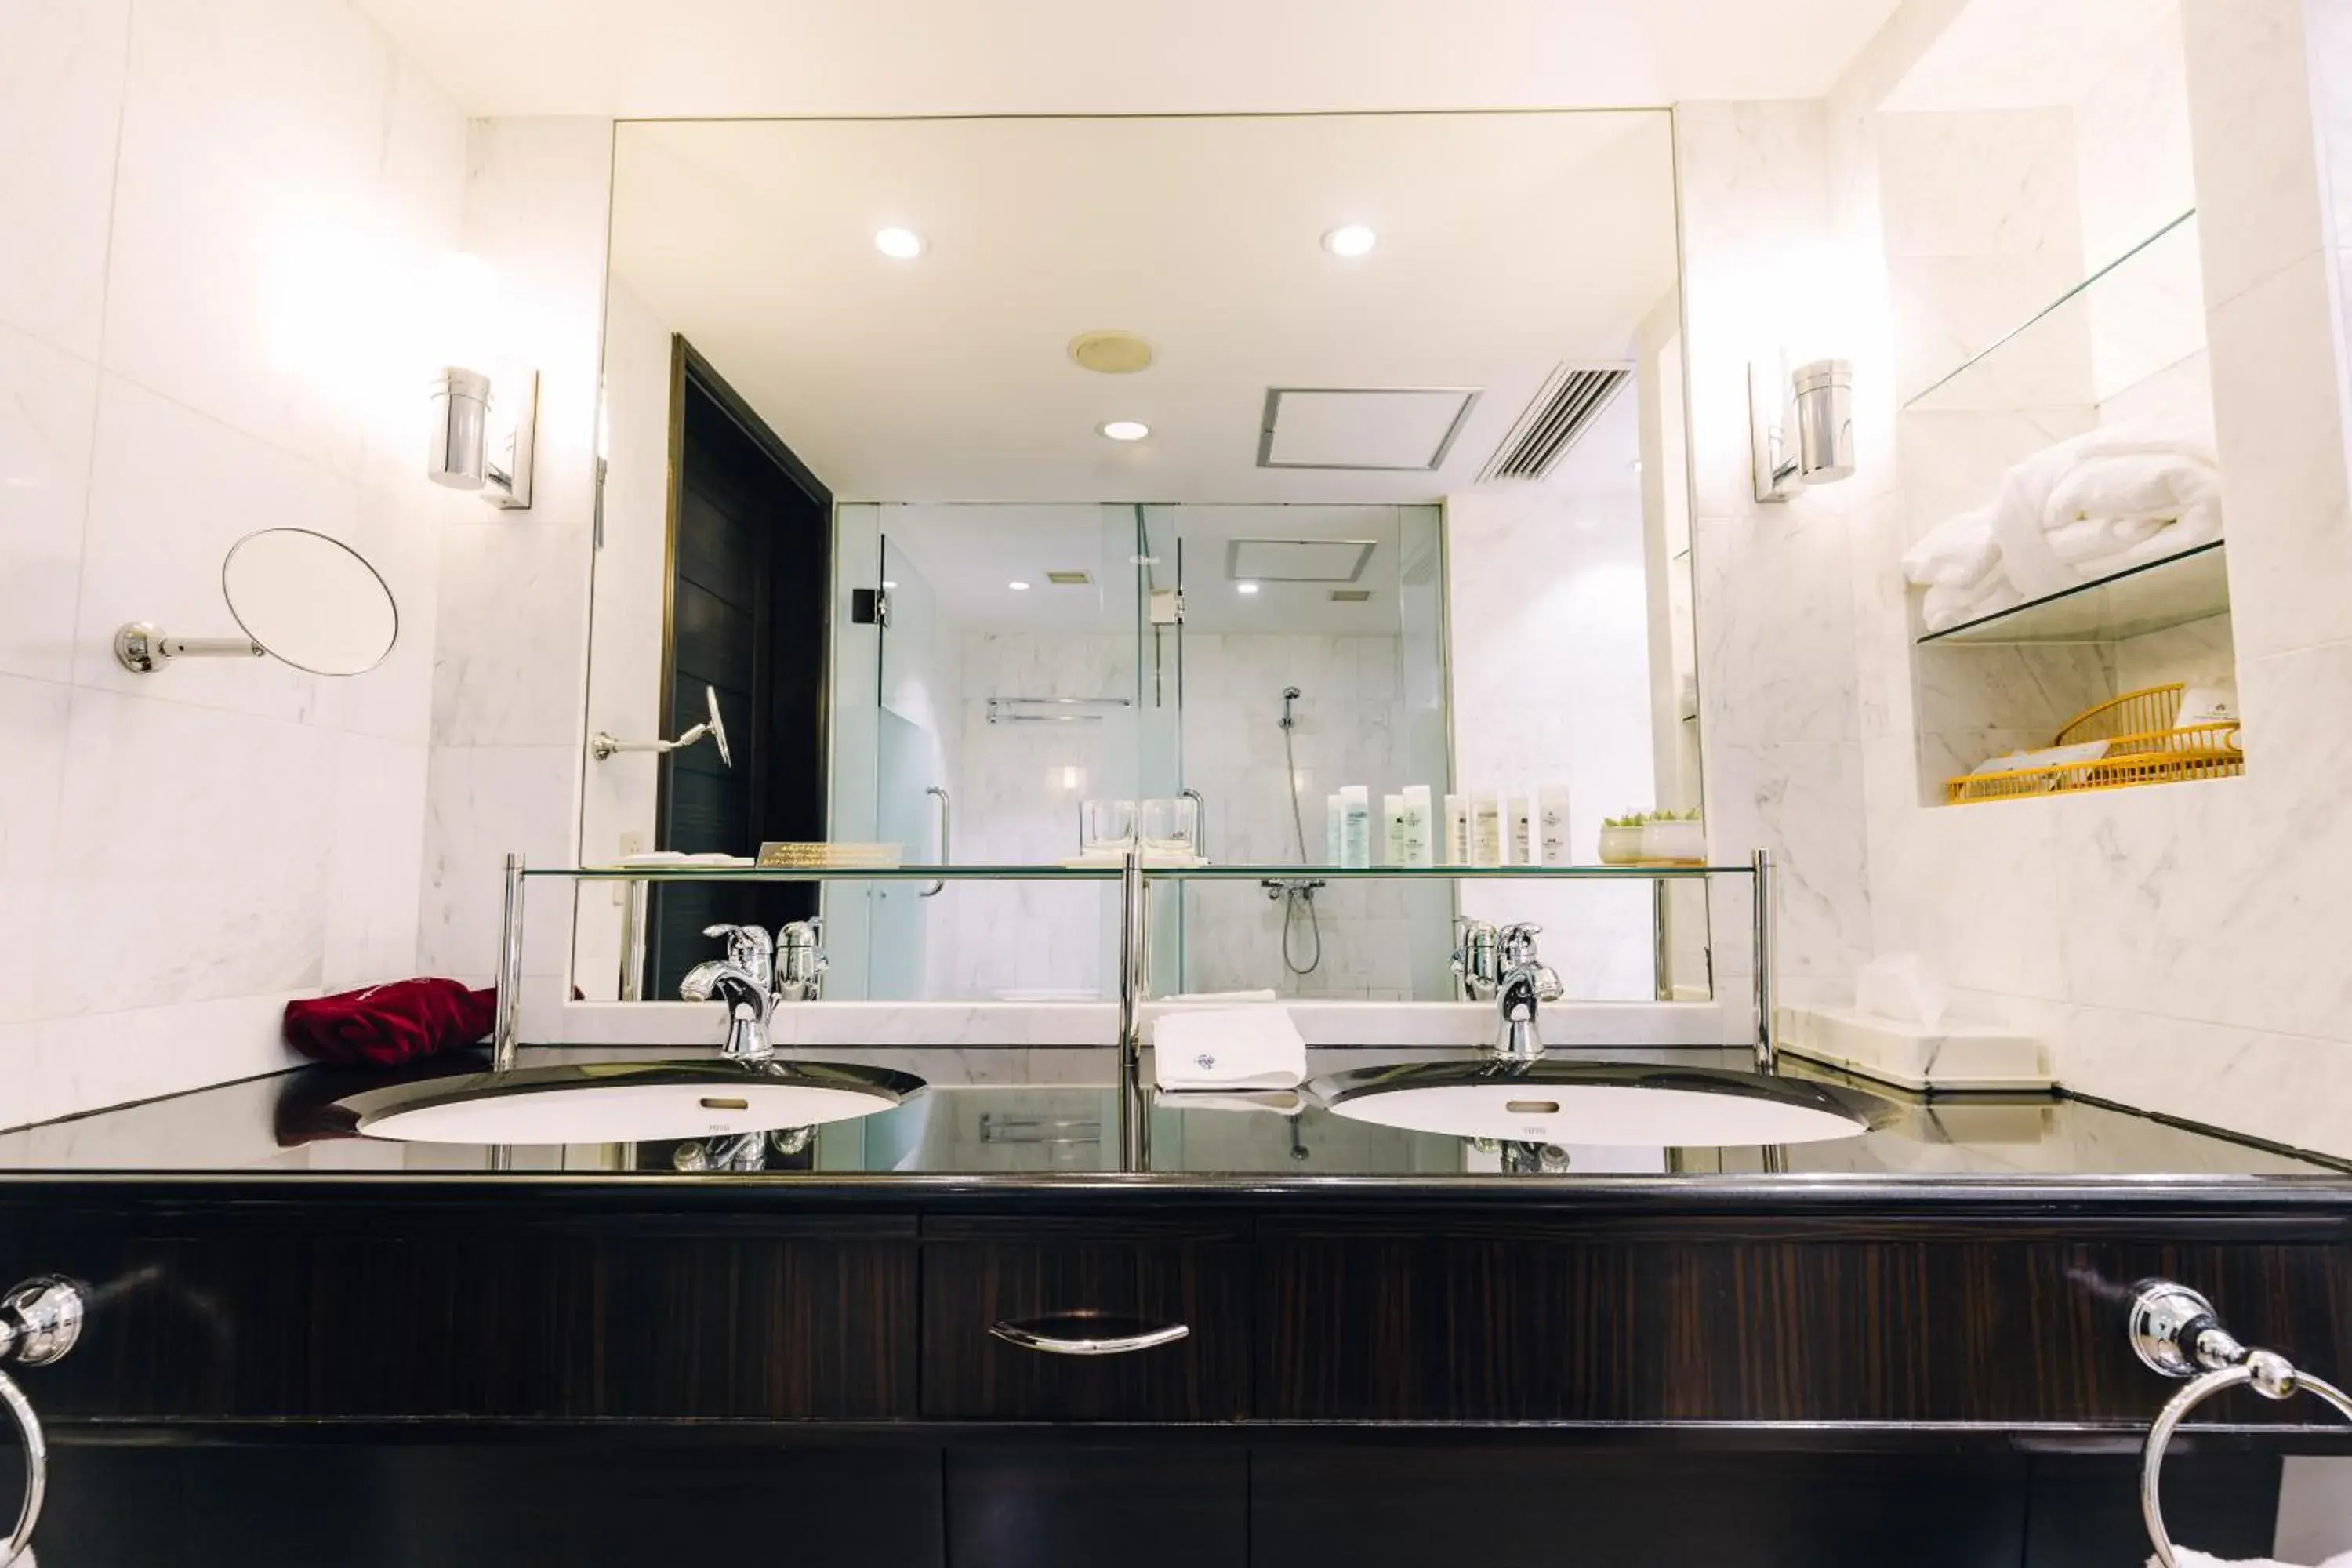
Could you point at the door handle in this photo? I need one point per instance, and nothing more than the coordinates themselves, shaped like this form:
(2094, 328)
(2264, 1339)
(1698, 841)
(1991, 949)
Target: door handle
(1088, 1332)
(947, 847)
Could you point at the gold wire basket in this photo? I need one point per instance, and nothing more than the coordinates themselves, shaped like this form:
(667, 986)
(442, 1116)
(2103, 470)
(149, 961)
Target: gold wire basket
(2152, 710)
(2144, 747)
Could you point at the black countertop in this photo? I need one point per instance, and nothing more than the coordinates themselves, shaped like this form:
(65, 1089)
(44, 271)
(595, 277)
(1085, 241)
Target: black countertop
(999, 1122)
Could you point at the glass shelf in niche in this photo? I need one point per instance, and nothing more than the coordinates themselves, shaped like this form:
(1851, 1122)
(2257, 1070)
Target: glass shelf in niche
(2122, 327)
(1661, 871)
(2193, 586)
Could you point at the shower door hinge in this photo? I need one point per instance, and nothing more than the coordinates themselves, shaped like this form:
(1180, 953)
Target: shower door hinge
(869, 607)
(1167, 606)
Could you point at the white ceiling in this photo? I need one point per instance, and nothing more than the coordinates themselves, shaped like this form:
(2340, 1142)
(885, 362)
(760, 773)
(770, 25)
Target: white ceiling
(708, 58)
(1508, 244)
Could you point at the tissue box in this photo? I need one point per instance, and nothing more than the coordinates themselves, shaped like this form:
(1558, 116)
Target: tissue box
(1948, 1058)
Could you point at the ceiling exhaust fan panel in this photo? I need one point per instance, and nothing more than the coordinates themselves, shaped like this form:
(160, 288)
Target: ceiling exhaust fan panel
(1401, 430)
(1297, 560)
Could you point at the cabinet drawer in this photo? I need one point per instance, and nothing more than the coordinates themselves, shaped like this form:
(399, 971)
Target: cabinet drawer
(1053, 1286)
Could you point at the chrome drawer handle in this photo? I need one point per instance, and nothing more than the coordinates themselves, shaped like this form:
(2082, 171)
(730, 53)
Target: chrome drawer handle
(40, 1320)
(1085, 1333)
(2174, 1332)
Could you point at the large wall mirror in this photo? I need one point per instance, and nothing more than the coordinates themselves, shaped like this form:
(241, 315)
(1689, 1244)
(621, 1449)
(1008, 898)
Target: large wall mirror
(976, 470)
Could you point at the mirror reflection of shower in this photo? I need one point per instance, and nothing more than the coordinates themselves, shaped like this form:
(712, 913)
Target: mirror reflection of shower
(1296, 894)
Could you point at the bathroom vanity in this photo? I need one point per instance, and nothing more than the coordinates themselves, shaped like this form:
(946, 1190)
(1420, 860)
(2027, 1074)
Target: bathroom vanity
(1905, 1346)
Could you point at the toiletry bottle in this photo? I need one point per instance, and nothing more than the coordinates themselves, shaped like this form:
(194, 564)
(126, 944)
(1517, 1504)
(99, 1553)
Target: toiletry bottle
(1520, 846)
(1417, 846)
(1485, 828)
(1551, 811)
(1356, 840)
(1335, 833)
(1458, 830)
(1392, 830)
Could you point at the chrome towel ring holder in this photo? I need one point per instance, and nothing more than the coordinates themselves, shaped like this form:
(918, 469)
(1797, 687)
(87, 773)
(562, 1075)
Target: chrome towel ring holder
(40, 1320)
(2174, 1332)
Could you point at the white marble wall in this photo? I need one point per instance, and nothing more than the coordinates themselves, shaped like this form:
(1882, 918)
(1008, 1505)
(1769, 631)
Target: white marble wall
(1552, 686)
(511, 659)
(1381, 939)
(222, 217)
(2178, 946)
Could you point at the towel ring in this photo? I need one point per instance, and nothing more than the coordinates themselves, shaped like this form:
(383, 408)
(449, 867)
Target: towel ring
(2174, 1331)
(36, 1471)
(40, 1320)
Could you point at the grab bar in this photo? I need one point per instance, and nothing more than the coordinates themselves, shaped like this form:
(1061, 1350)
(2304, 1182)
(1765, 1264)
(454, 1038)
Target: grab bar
(2174, 1332)
(40, 1320)
(947, 851)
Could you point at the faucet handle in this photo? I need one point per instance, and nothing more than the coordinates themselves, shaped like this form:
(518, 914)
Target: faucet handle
(1519, 942)
(748, 948)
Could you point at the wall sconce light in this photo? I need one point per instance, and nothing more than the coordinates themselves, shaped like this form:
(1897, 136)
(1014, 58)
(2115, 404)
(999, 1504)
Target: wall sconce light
(483, 433)
(1801, 425)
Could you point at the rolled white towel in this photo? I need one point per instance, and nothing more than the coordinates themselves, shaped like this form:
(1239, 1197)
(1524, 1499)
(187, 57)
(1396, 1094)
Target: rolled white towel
(1228, 1049)
(2155, 487)
(1955, 553)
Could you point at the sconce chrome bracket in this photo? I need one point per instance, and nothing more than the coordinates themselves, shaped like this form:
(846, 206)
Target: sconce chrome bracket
(1800, 425)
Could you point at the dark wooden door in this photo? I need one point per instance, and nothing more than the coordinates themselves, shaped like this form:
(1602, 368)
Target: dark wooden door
(750, 594)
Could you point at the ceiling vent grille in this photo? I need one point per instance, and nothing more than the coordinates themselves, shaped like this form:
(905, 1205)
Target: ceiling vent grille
(1570, 401)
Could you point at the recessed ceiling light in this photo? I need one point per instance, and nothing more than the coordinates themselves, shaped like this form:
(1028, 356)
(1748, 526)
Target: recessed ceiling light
(1351, 239)
(1018, 587)
(899, 244)
(1125, 429)
(1244, 587)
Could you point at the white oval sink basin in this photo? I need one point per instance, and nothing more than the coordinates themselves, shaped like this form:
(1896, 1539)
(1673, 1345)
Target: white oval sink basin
(1597, 1104)
(624, 1102)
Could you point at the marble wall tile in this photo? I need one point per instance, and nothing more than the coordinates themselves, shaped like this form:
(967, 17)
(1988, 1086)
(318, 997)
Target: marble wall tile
(2281, 1087)
(48, 407)
(33, 716)
(60, 106)
(375, 868)
(214, 332)
(1804, 801)
(172, 490)
(1980, 183)
(510, 661)
(2279, 412)
(483, 803)
(2258, 179)
(1776, 628)
(252, 274)
(221, 822)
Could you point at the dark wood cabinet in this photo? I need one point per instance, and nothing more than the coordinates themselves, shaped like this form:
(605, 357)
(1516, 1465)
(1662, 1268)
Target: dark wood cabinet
(1453, 1319)
(1138, 1506)
(977, 1273)
(422, 1315)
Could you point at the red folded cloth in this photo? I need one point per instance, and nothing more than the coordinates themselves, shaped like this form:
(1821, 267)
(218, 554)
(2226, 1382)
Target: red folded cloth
(386, 1024)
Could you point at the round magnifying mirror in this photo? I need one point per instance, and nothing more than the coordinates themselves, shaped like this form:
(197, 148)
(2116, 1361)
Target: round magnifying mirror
(311, 601)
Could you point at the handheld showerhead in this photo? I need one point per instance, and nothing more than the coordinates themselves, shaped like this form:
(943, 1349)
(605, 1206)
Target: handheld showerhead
(1289, 696)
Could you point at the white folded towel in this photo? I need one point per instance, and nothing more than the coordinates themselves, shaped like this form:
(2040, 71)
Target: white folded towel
(2189, 1559)
(1273, 1102)
(2048, 757)
(2098, 503)
(1228, 1049)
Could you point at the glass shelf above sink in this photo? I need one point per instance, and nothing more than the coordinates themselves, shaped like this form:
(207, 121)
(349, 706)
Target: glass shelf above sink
(2193, 586)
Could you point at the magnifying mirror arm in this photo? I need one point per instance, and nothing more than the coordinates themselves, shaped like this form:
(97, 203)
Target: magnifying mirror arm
(144, 649)
(604, 743)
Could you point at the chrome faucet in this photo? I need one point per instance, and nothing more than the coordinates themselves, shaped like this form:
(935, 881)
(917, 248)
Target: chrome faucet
(753, 984)
(748, 1004)
(1525, 982)
(1477, 960)
(801, 963)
